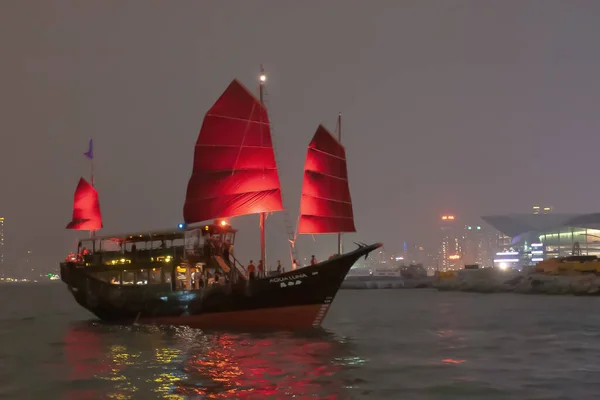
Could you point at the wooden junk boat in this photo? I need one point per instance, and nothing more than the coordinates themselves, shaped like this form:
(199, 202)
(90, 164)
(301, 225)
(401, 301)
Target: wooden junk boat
(146, 277)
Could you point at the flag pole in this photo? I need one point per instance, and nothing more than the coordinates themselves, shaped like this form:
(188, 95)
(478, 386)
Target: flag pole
(263, 215)
(92, 173)
(339, 132)
(92, 159)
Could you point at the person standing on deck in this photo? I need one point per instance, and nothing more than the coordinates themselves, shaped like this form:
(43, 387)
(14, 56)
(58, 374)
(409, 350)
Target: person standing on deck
(261, 269)
(251, 269)
(85, 255)
(208, 249)
(231, 254)
(200, 277)
(218, 246)
(226, 247)
(294, 265)
(313, 260)
(278, 266)
(196, 279)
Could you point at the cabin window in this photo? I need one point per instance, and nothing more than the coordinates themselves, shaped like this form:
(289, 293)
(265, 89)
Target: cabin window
(181, 273)
(158, 244)
(230, 237)
(141, 277)
(178, 246)
(194, 242)
(103, 276)
(140, 246)
(155, 276)
(114, 278)
(128, 277)
(109, 245)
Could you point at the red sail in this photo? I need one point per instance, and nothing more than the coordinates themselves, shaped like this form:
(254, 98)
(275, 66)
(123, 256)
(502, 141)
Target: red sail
(86, 208)
(325, 206)
(234, 164)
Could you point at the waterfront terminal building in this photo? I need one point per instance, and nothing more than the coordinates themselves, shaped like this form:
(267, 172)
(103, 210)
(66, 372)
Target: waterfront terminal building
(526, 239)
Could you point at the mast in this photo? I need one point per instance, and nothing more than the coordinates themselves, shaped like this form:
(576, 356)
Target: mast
(263, 215)
(90, 155)
(92, 178)
(92, 164)
(339, 126)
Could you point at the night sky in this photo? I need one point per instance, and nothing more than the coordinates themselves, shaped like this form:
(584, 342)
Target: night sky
(468, 107)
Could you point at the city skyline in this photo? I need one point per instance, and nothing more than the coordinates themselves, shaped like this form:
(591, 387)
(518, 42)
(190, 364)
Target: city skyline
(475, 242)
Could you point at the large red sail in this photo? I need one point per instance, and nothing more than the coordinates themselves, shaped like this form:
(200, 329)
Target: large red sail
(234, 164)
(325, 206)
(86, 208)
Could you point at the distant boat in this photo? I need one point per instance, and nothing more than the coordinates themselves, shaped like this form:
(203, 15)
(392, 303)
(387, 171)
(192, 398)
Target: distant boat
(184, 276)
(374, 274)
(576, 263)
(368, 278)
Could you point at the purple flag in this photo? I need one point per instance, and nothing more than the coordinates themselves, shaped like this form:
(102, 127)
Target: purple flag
(90, 153)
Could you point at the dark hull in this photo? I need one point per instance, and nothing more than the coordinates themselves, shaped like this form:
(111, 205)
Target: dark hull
(293, 300)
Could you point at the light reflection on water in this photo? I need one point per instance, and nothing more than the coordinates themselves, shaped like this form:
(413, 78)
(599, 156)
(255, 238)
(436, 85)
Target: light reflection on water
(380, 344)
(181, 363)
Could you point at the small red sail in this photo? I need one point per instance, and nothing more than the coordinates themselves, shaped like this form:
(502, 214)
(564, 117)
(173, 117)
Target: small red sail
(234, 169)
(325, 206)
(86, 208)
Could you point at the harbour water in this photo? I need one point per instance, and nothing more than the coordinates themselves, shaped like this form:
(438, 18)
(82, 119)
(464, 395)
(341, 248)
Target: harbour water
(376, 344)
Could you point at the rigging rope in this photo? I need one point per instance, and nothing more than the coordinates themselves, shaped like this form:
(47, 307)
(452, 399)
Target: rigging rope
(237, 158)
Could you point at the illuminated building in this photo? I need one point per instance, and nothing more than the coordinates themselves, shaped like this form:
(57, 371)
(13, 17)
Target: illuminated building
(537, 210)
(415, 254)
(503, 241)
(450, 251)
(478, 245)
(536, 237)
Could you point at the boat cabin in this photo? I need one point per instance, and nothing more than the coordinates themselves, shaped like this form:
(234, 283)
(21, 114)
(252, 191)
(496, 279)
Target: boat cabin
(159, 257)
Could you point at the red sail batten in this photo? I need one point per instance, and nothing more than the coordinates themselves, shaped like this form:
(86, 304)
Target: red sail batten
(86, 208)
(234, 170)
(326, 205)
